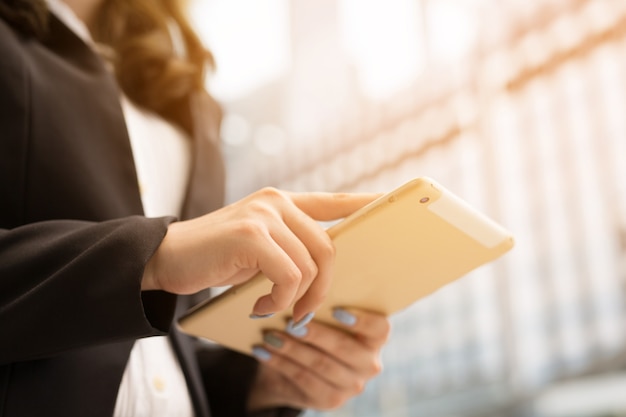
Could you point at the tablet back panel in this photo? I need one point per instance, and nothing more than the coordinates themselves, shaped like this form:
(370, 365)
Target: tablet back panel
(389, 254)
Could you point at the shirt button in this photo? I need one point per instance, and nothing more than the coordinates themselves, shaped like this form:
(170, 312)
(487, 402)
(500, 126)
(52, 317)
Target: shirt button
(158, 383)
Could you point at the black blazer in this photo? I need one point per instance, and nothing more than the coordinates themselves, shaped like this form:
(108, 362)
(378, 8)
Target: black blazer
(74, 243)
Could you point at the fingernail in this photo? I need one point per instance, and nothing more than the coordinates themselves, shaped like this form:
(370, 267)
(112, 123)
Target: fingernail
(261, 353)
(273, 340)
(344, 317)
(260, 316)
(303, 321)
(296, 332)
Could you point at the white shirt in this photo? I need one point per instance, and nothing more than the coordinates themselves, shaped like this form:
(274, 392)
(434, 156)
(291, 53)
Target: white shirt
(153, 384)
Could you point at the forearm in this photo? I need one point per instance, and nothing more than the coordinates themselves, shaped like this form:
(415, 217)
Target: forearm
(66, 284)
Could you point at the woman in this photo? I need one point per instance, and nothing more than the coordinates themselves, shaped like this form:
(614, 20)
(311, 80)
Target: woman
(107, 139)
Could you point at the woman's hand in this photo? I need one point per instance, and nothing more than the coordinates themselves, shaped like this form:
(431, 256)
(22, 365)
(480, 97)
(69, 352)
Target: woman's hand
(271, 231)
(320, 367)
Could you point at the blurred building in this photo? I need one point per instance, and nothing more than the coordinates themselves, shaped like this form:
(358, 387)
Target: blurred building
(519, 107)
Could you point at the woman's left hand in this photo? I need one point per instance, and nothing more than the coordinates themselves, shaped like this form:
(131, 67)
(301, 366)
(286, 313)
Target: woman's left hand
(319, 366)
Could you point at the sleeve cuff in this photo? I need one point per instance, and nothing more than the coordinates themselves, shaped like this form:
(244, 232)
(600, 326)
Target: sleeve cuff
(159, 308)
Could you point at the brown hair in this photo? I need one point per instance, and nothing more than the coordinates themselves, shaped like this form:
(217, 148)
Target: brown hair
(147, 66)
(30, 17)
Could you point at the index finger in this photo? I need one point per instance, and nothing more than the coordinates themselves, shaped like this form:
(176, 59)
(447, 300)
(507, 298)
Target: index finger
(279, 268)
(331, 206)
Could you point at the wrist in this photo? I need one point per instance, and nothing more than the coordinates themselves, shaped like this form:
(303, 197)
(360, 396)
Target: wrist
(148, 281)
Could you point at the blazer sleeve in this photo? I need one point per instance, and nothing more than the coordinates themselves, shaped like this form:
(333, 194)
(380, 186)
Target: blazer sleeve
(67, 284)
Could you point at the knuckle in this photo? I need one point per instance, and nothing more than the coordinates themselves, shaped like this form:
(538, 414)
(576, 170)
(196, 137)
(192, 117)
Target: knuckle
(260, 209)
(310, 271)
(303, 376)
(293, 277)
(359, 386)
(341, 346)
(251, 229)
(321, 364)
(327, 249)
(376, 368)
(341, 196)
(271, 193)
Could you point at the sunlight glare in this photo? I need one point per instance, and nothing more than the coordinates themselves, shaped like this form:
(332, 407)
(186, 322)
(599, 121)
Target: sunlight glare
(452, 30)
(250, 40)
(383, 38)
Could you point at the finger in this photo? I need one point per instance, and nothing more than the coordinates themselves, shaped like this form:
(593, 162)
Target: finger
(297, 249)
(321, 206)
(370, 328)
(279, 268)
(319, 394)
(331, 206)
(322, 253)
(323, 365)
(345, 347)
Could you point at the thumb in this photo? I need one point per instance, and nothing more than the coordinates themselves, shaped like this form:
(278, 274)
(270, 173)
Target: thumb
(331, 206)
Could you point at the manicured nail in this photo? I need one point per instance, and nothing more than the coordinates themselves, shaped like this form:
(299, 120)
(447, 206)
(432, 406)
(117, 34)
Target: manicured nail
(296, 332)
(273, 340)
(303, 321)
(261, 353)
(260, 316)
(344, 316)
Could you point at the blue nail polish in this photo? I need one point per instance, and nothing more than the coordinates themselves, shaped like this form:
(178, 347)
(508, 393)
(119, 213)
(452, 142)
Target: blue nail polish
(344, 317)
(303, 321)
(260, 316)
(273, 340)
(261, 353)
(296, 332)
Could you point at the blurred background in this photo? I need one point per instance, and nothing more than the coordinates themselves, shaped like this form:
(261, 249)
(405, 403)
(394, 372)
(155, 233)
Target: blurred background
(518, 106)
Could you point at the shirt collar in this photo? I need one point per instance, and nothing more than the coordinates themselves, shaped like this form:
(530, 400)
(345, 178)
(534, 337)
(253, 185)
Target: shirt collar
(67, 16)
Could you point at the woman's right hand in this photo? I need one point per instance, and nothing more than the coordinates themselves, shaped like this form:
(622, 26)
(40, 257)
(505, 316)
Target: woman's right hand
(270, 231)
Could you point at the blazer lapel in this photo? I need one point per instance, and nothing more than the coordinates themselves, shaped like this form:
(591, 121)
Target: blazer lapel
(205, 191)
(185, 348)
